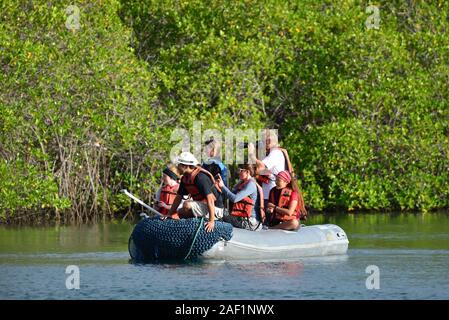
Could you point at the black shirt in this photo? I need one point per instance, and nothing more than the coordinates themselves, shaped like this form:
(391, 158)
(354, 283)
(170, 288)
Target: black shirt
(205, 187)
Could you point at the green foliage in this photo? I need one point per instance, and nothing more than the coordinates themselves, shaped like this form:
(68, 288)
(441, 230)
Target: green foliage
(373, 125)
(23, 187)
(77, 106)
(364, 113)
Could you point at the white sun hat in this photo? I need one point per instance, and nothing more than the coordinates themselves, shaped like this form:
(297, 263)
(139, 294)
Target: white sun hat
(187, 158)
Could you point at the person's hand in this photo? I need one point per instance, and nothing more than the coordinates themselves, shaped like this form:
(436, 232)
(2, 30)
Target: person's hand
(210, 226)
(270, 207)
(220, 181)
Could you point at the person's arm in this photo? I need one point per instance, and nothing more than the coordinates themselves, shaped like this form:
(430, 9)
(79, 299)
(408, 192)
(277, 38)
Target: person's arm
(211, 207)
(290, 211)
(248, 190)
(291, 207)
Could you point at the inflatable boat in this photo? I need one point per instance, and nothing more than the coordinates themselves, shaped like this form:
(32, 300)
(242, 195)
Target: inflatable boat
(186, 239)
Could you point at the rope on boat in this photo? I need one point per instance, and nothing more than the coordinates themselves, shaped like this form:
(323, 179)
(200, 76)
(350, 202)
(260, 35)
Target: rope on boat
(194, 238)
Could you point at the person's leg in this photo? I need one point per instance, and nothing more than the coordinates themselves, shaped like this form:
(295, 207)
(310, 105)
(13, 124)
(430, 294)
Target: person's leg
(235, 221)
(290, 225)
(199, 209)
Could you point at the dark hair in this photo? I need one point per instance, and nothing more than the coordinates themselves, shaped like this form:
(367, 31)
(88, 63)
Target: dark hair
(248, 167)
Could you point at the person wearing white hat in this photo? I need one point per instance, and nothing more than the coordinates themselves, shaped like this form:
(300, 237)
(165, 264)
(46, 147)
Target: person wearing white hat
(200, 185)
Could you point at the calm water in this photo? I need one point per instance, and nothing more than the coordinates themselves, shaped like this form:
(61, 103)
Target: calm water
(411, 251)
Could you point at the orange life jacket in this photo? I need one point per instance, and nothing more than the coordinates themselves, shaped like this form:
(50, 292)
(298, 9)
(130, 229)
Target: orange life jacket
(284, 202)
(189, 183)
(244, 207)
(168, 195)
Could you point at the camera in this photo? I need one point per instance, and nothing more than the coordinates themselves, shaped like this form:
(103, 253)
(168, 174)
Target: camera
(258, 144)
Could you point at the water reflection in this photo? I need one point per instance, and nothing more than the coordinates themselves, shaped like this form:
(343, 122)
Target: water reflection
(412, 252)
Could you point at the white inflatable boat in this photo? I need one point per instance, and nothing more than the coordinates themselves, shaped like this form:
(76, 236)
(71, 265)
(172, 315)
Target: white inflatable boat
(308, 241)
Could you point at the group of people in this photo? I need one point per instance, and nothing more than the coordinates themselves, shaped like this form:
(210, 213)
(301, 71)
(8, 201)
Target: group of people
(266, 194)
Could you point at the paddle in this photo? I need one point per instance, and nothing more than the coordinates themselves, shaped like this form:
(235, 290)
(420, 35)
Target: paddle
(140, 202)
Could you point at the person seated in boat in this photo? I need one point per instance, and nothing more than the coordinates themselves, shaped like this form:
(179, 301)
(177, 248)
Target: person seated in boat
(245, 211)
(276, 161)
(283, 209)
(168, 190)
(201, 187)
(215, 166)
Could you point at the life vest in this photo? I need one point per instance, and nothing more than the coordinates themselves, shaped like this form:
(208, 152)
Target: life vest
(284, 202)
(244, 207)
(168, 195)
(189, 183)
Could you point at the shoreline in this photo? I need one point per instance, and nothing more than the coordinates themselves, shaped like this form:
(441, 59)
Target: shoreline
(38, 219)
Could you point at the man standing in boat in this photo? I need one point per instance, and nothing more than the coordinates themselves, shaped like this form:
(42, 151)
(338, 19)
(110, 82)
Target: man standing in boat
(267, 169)
(200, 185)
(271, 165)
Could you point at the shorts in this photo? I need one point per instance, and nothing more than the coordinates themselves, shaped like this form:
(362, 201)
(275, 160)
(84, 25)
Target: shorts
(200, 209)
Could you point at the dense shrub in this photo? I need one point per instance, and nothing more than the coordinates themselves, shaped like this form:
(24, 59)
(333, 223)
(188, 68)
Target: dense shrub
(363, 112)
(77, 108)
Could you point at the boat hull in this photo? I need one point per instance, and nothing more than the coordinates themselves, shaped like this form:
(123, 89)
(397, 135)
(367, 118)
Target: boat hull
(308, 241)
